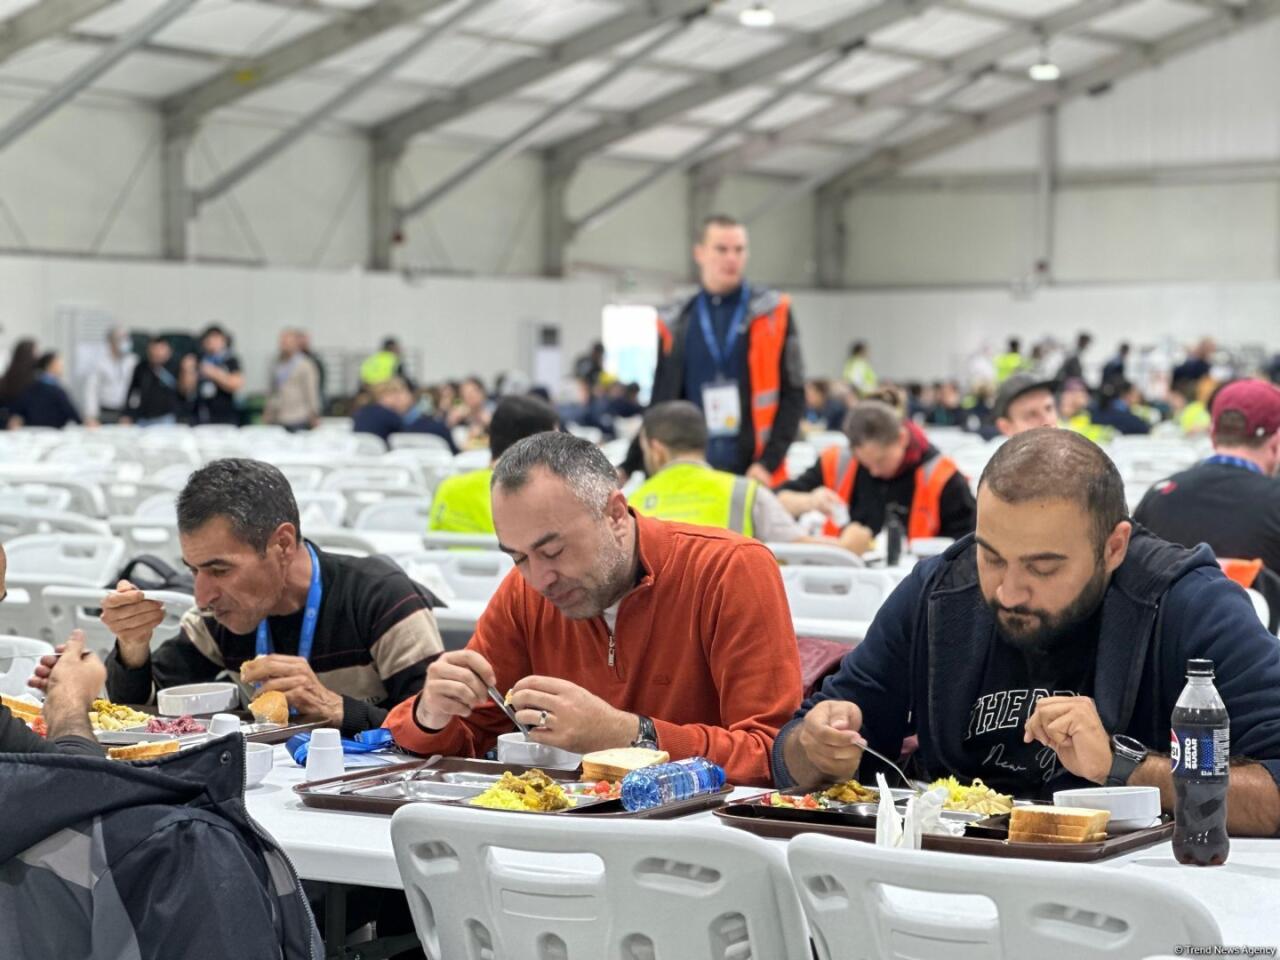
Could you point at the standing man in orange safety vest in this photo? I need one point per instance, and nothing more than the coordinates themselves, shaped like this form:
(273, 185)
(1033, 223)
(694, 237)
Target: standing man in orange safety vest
(732, 349)
(889, 463)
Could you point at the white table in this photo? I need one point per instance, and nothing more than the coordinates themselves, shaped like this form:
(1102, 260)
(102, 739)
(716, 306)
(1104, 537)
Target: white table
(355, 848)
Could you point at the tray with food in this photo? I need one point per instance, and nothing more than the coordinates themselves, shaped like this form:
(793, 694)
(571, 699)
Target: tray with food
(994, 824)
(492, 785)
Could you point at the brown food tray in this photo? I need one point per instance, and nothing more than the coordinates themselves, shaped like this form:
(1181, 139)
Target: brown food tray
(314, 795)
(784, 823)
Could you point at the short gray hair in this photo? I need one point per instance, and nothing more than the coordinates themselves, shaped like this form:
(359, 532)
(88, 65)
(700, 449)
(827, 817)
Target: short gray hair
(872, 421)
(577, 462)
(253, 496)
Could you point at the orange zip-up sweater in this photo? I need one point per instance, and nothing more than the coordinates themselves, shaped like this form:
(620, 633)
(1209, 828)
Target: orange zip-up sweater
(704, 646)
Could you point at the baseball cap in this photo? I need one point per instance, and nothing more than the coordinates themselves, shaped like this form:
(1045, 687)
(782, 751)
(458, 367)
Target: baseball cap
(1256, 400)
(1016, 386)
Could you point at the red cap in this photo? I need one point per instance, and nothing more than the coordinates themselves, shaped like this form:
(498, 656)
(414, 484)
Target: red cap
(1256, 400)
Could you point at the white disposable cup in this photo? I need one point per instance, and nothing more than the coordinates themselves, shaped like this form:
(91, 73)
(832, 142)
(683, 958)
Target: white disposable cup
(220, 724)
(324, 754)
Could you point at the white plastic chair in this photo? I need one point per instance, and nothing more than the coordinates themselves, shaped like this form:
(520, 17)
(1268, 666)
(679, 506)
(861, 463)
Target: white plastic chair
(66, 558)
(590, 434)
(83, 496)
(800, 457)
(325, 508)
(418, 441)
(814, 554)
(157, 536)
(1260, 606)
(80, 453)
(1049, 911)
(458, 574)
(175, 475)
(513, 886)
(835, 593)
(395, 513)
(159, 506)
(23, 523)
(340, 540)
(22, 653)
(438, 540)
(469, 460)
(303, 477)
(124, 496)
(78, 608)
(35, 496)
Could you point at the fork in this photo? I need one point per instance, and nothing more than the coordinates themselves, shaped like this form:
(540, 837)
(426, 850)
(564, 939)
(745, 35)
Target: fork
(896, 769)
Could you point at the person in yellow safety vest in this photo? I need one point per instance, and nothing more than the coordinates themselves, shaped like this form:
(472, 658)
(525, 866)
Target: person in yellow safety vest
(733, 349)
(1023, 403)
(1010, 362)
(461, 503)
(1073, 409)
(858, 372)
(889, 464)
(383, 365)
(683, 487)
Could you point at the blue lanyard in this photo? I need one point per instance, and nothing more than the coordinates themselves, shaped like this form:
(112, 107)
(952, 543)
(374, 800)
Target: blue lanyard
(713, 345)
(165, 377)
(314, 593)
(1229, 461)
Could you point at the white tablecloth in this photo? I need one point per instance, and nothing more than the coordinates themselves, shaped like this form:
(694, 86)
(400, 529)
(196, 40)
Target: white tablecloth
(356, 848)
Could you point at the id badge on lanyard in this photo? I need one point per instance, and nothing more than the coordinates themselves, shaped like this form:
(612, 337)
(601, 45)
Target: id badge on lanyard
(721, 402)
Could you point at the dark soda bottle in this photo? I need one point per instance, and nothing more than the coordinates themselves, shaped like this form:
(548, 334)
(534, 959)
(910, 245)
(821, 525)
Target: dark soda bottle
(1199, 748)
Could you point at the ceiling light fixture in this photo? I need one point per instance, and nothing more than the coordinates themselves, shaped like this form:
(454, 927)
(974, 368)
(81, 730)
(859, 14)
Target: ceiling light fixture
(1044, 70)
(757, 15)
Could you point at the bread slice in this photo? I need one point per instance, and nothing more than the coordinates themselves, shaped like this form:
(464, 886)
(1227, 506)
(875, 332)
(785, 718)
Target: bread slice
(1071, 824)
(617, 763)
(144, 751)
(24, 711)
(1051, 838)
(270, 707)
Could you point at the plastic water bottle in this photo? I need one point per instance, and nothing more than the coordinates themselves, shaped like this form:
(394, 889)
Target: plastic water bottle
(895, 534)
(669, 782)
(1200, 745)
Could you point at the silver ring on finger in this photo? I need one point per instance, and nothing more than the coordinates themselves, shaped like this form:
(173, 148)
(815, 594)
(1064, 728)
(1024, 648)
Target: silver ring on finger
(542, 719)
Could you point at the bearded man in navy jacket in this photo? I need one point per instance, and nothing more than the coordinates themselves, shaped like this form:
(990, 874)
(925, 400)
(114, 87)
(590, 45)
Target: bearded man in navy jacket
(1047, 650)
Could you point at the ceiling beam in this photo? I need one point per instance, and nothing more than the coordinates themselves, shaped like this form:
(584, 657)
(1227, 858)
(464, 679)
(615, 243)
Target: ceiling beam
(759, 69)
(392, 135)
(185, 110)
(79, 79)
(42, 21)
(518, 139)
(888, 161)
(902, 91)
(314, 117)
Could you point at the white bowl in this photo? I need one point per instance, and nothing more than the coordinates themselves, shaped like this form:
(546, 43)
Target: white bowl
(197, 698)
(258, 759)
(1132, 808)
(514, 748)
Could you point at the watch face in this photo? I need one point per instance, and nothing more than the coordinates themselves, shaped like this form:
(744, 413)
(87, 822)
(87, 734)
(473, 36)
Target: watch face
(1129, 747)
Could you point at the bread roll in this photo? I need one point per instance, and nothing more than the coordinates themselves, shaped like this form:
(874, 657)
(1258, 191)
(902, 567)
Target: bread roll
(270, 707)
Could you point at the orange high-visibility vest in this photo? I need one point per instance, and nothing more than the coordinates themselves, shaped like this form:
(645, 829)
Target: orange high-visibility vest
(840, 469)
(766, 338)
(1243, 572)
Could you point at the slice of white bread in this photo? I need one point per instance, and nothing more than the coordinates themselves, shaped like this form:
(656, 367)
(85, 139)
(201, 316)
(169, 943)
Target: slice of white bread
(1069, 824)
(1051, 838)
(24, 711)
(617, 763)
(144, 751)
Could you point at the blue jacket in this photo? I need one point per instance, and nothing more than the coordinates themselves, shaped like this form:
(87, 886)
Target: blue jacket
(921, 665)
(102, 859)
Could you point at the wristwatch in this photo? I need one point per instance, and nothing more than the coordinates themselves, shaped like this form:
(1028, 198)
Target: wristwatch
(648, 734)
(1126, 755)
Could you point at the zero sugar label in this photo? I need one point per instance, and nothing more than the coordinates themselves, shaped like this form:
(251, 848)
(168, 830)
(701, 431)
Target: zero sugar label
(1199, 752)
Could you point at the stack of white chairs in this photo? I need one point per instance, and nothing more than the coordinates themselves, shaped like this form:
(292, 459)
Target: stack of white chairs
(509, 885)
(42, 560)
(361, 486)
(397, 514)
(19, 523)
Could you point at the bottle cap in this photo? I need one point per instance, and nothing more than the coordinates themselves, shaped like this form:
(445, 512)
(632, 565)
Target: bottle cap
(1200, 668)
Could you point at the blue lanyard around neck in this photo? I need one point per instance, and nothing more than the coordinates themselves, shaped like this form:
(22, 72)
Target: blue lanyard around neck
(314, 593)
(1229, 461)
(735, 326)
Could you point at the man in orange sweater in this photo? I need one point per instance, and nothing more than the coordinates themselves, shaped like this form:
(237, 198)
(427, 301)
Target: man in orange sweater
(614, 630)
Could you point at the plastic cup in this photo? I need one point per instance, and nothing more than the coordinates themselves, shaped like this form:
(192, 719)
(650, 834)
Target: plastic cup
(324, 755)
(220, 724)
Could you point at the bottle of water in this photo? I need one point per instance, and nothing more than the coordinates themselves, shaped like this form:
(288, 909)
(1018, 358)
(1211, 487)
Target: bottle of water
(1201, 746)
(668, 782)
